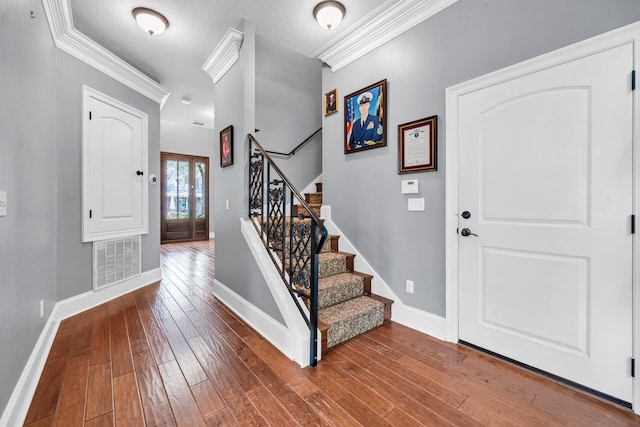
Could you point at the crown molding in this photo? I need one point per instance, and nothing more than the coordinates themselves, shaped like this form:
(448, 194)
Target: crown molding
(76, 44)
(224, 55)
(384, 23)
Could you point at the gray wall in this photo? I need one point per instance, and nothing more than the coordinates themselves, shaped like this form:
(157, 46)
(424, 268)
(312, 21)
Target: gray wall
(468, 39)
(75, 257)
(28, 173)
(194, 141)
(289, 109)
(235, 101)
(41, 254)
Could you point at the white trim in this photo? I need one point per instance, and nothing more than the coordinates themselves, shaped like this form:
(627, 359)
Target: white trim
(20, 400)
(76, 44)
(612, 39)
(16, 410)
(83, 302)
(226, 53)
(292, 339)
(92, 233)
(212, 235)
(411, 317)
(389, 20)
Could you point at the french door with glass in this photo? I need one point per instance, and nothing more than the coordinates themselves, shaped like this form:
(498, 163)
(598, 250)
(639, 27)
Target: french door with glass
(185, 197)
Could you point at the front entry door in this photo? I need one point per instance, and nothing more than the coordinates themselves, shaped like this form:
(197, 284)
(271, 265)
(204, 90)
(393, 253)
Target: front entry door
(185, 200)
(545, 247)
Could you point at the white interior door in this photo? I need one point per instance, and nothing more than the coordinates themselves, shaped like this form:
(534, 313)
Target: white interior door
(545, 172)
(114, 169)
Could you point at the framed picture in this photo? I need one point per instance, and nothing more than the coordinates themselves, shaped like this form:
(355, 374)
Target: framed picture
(226, 146)
(417, 146)
(331, 102)
(365, 112)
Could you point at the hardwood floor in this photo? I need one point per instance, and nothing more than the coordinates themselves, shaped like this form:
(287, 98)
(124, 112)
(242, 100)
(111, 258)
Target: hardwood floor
(170, 354)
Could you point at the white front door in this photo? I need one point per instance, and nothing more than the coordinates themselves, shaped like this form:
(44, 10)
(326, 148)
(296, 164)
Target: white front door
(545, 173)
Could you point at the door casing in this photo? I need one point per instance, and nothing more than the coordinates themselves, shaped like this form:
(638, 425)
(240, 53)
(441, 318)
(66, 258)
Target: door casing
(623, 35)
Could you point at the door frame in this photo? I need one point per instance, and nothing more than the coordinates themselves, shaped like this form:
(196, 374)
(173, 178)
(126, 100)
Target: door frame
(192, 159)
(629, 34)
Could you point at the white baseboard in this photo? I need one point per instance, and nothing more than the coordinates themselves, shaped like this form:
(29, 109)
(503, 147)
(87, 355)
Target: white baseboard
(270, 329)
(212, 235)
(411, 317)
(20, 400)
(79, 303)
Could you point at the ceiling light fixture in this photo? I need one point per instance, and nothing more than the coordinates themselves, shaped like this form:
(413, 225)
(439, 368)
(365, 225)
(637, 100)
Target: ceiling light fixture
(329, 14)
(150, 21)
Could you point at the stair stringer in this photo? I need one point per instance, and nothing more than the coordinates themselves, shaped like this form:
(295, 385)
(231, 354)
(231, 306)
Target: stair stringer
(291, 339)
(411, 317)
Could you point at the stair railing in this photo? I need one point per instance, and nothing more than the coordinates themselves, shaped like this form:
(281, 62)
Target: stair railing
(292, 241)
(297, 147)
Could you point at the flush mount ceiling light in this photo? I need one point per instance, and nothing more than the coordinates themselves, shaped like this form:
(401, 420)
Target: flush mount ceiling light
(150, 21)
(329, 14)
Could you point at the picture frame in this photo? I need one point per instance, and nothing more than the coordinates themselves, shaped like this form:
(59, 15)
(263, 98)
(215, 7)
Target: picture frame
(331, 102)
(373, 133)
(226, 146)
(418, 146)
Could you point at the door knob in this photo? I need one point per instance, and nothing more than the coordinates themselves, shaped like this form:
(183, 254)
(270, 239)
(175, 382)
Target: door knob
(466, 232)
(466, 214)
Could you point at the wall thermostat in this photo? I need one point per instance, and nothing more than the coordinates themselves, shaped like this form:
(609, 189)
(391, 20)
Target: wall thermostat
(153, 179)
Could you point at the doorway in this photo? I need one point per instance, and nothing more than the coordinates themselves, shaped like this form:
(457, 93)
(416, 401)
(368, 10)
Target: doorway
(541, 191)
(185, 198)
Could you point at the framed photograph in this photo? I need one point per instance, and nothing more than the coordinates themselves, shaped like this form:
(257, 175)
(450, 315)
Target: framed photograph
(331, 102)
(226, 146)
(365, 112)
(417, 146)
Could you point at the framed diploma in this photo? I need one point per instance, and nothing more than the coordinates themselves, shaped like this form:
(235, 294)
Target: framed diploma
(417, 146)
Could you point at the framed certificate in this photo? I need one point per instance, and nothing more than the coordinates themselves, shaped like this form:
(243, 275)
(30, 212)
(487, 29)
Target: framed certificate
(417, 146)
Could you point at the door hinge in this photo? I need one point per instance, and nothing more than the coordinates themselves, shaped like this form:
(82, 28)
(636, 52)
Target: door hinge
(633, 367)
(89, 115)
(90, 213)
(633, 79)
(633, 224)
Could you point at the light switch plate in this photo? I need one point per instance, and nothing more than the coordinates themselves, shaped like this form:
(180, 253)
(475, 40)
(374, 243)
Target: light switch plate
(3, 203)
(416, 204)
(410, 186)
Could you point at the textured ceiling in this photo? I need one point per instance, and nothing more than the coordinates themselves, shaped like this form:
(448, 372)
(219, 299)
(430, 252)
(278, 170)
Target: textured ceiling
(175, 58)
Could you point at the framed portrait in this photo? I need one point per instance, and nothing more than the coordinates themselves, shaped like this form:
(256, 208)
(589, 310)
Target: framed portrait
(417, 146)
(331, 102)
(226, 146)
(365, 114)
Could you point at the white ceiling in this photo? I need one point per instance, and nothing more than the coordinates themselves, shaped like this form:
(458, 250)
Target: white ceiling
(175, 58)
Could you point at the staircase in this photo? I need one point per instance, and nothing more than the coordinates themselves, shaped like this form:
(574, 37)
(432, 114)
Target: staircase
(346, 306)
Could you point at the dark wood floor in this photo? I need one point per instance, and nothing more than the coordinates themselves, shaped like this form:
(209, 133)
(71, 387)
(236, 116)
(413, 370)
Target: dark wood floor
(171, 354)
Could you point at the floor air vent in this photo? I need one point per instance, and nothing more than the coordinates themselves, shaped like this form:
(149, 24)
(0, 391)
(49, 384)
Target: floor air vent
(115, 260)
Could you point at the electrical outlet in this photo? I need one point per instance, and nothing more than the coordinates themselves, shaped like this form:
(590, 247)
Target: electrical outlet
(410, 286)
(41, 308)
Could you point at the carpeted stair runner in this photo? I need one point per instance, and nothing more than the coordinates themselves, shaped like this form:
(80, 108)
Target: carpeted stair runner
(346, 306)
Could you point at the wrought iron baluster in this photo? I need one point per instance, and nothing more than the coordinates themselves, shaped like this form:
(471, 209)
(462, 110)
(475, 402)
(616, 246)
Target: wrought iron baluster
(306, 233)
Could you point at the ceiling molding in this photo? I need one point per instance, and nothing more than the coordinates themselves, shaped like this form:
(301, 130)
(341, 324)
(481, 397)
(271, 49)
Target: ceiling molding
(224, 55)
(386, 22)
(76, 44)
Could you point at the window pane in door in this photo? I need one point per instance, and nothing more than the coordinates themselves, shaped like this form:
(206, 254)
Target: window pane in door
(172, 189)
(200, 189)
(183, 190)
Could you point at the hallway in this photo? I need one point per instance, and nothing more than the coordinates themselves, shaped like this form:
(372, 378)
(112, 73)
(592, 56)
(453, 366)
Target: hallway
(172, 354)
